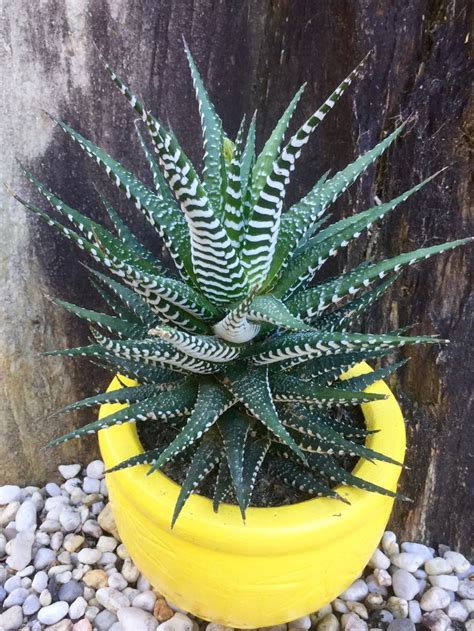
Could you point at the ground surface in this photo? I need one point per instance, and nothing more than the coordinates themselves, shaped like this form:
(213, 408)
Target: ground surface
(63, 568)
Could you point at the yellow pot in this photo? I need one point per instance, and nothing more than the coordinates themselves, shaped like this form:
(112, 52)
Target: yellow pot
(283, 562)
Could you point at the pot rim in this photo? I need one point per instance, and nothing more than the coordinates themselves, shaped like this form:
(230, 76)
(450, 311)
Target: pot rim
(265, 529)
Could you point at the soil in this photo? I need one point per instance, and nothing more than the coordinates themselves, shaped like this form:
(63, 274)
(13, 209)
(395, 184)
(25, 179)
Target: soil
(268, 491)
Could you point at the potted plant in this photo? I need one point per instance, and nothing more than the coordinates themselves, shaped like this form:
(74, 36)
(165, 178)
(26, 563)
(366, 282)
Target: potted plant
(235, 364)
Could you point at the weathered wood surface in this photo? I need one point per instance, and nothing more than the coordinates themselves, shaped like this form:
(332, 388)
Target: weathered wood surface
(253, 54)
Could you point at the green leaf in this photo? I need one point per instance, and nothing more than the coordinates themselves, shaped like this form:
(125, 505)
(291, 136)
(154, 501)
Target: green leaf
(148, 457)
(233, 427)
(255, 452)
(205, 347)
(273, 311)
(234, 221)
(307, 420)
(223, 485)
(364, 381)
(212, 401)
(205, 459)
(312, 302)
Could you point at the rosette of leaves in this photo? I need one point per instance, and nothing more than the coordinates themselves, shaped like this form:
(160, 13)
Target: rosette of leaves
(235, 348)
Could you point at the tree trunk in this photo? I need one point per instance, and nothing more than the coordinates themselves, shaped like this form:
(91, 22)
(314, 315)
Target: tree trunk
(252, 54)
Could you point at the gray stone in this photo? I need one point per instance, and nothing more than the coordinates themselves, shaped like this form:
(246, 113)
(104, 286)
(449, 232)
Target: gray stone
(70, 591)
(31, 605)
(434, 598)
(69, 471)
(104, 620)
(12, 618)
(405, 585)
(466, 589)
(437, 621)
(401, 624)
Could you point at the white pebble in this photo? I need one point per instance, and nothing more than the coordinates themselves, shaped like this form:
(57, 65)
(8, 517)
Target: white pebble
(77, 608)
(107, 544)
(95, 469)
(446, 581)
(43, 558)
(70, 520)
(434, 598)
(53, 613)
(328, 623)
(111, 599)
(8, 512)
(16, 597)
(419, 549)
(179, 622)
(437, 566)
(437, 621)
(12, 618)
(129, 571)
(352, 622)
(31, 605)
(90, 485)
(389, 543)
(382, 577)
(379, 560)
(407, 561)
(45, 598)
(300, 623)
(357, 591)
(405, 584)
(117, 581)
(92, 528)
(132, 619)
(20, 550)
(52, 489)
(466, 589)
(40, 582)
(57, 539)
(14, 582)
(69, 471)
(457, 612)
(89, 556)
(468, 604)
(414, 611)
(398, 606)
(25, 518)
(457, 561)
(9, 493)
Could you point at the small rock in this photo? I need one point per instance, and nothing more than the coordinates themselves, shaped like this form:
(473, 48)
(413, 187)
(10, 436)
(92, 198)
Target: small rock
(77, 608)
(379, 560)
(414, 611)
(52, 489)
(83, 625)
(63, 625)
(357, 608)
(70, 591)
(318, 615)
(92, 528)
(57, 539)
(53, 613)
(339, 606)
(104, 620)
(405, 585)
(145, 600)
(162, 611)
(357, 591)
(107, 544)
(43, 558)
(25, 518)
(129, 571)
(12, 618)
(457, 612)
(40, 582)
(419, 549)
(20, 550)
(398, 606)
(133, 618)
(122, 552)
(50, 525)
(437, 621)
(300, 623)
(16, 597)
(89, 556)
(437, 566)
(407, 561)
(107, 521)
(45, 598)
(90, 485)
(389, 543)
(328, 623)
(12, 583)
(117, 581)
(69, 519)
(31, 605)
(8, 512)
(401, 624)
(457, 561)
(469, 626)
(96, 579)
(446, 581)
(9, 493)
(374, 601)
(179, 622)
(468, 604)
(434, 598)
(95, 469)
(72, 543)
(465, 589)
(69, 471)
(111, 599)
(383, 578)
(352, 622)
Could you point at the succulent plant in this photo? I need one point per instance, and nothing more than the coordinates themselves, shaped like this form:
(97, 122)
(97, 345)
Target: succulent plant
(235, 348)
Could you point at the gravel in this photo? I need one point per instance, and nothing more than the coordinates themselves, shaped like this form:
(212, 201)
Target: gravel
(63, 568)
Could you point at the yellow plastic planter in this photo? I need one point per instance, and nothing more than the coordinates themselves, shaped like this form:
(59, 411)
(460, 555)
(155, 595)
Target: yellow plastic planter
(283, 562)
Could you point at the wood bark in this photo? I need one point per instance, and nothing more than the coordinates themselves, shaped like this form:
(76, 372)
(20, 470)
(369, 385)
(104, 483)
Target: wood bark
(252, 54)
